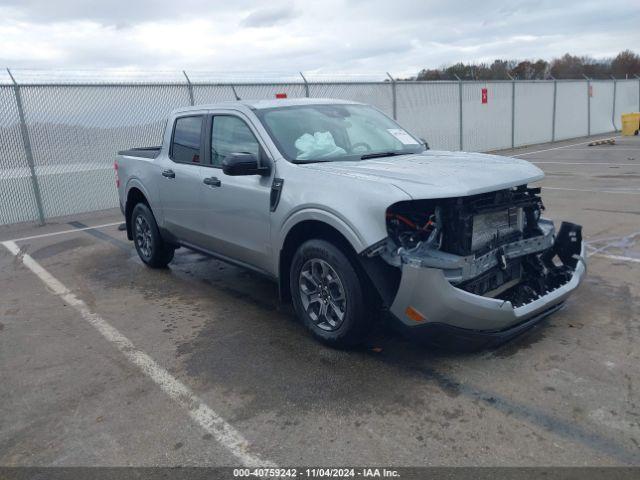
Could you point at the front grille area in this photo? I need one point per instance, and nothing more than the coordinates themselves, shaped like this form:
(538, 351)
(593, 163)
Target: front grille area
(496, 228)
(480, 223)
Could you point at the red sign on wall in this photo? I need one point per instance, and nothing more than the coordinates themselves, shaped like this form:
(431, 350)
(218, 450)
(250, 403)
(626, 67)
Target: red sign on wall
(484, 95)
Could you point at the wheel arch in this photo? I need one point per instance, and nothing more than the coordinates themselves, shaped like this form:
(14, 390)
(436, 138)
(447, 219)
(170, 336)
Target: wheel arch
(135, 195)
(313, 228)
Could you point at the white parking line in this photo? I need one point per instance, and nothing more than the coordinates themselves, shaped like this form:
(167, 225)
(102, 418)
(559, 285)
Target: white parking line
(615, 148)
(554, 148)
(591, 191)
(616, 257)
(590, 163)
(201, 413)
(63, 232)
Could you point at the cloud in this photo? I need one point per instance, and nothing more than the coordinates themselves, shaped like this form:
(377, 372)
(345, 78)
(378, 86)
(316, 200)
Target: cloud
(123, 12)
(351, 36)
(268, 17)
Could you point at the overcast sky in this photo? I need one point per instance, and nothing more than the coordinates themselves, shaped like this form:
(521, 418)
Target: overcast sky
(333, 36)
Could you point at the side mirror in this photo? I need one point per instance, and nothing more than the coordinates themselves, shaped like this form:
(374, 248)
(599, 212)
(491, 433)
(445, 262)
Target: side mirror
(425, 143)
(237, 164)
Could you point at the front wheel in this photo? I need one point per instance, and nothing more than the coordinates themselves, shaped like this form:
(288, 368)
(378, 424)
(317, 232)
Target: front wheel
(151, 249)
(328, 294)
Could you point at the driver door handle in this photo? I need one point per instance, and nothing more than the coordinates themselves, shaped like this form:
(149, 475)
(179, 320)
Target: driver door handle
(169, 174)
(212, 182)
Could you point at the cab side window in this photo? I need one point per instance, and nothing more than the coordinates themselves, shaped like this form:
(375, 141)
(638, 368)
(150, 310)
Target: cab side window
(185, 145)
(231, 135)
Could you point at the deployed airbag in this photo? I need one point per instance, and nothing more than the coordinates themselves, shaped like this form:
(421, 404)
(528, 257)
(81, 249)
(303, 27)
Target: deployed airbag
(318, 145)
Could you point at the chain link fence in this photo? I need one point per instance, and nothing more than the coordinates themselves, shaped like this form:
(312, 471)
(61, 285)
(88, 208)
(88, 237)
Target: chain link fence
(58, 139)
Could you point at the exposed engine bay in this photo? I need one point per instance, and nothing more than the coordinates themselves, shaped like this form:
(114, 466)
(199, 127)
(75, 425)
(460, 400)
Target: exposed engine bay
(493, 244)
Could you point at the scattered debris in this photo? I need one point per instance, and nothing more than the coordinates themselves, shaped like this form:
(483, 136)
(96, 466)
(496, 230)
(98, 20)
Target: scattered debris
(608, 141)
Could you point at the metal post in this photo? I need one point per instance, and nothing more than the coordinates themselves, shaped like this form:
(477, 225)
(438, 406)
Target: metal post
(189, 87)
(555, 103)
(513, 111)
(613, 110)
(306, 85)
(235, 94)
(394, 96)
(27, 149)
(460, 108)
(588, 105)
(638, 77)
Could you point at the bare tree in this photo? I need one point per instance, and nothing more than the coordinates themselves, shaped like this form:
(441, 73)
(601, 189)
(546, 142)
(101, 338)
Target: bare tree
(625, 64)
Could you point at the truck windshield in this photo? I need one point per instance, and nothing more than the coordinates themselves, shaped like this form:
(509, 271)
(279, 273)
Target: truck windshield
(324, 133)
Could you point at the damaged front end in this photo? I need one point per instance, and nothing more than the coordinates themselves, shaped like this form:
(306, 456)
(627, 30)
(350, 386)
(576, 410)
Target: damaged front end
(487, 263)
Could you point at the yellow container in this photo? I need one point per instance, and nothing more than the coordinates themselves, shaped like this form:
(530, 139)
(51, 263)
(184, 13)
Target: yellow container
(630, 123)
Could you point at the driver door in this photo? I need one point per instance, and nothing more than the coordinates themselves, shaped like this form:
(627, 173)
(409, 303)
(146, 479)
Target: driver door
(236, 208)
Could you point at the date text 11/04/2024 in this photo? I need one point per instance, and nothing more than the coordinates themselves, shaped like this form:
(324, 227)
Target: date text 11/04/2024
(369, 472)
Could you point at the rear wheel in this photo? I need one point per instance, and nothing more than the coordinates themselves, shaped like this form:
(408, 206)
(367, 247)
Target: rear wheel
(152, 250)
(328, 294)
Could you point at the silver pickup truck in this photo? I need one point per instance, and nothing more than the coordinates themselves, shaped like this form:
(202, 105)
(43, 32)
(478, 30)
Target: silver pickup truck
(352, 216)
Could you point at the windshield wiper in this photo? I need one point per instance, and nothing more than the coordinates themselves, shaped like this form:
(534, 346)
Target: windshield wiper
(381, 154)
(318, 160)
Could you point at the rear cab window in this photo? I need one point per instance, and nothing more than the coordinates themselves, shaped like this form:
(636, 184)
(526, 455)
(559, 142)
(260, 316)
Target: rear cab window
(186, 141)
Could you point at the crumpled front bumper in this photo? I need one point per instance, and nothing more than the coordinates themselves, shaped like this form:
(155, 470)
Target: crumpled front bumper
(426, 291)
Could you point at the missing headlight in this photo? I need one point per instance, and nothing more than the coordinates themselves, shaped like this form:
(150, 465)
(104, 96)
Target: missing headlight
(411, 224)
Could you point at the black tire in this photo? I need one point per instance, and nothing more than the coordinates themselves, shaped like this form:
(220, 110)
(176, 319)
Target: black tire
(357, 316)
(152, 250)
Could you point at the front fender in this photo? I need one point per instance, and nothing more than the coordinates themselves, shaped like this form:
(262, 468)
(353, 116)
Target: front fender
(333, 219)
(353, 206)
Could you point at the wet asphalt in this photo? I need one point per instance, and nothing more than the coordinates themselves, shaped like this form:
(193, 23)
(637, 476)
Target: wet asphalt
(565, 393)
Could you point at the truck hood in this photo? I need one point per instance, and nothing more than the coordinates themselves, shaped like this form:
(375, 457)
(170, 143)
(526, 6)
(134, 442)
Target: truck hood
(435, 174)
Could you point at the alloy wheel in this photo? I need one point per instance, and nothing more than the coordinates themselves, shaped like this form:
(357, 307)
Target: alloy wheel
(143, 236)
(322, 294)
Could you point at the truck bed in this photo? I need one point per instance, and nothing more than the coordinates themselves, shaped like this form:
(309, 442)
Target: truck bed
(144, 152)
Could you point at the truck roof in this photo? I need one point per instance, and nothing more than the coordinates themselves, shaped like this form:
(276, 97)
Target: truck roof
(263, 104)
